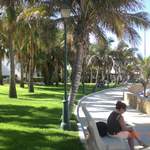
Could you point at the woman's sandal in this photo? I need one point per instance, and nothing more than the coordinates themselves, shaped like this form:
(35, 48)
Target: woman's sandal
(144, 145)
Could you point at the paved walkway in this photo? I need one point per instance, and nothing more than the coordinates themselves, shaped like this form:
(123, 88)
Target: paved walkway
(100, 105)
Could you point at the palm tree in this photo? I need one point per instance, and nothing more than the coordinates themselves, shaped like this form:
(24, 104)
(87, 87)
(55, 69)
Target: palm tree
(102, 61)
(144, 67)
(97, 17)
(10, 26)
(2, 54)
(37, 20)
(130, 71)
(1, 57)
(129, 61)
(51, 49)
(122, 56)
(21, 48)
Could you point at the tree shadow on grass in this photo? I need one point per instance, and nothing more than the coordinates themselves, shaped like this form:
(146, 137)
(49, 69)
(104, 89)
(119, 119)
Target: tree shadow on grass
(51, 88)
(3, 94)
(29, 116)
(68, 142)
(23, 140)
(60, 88)
(41, 96)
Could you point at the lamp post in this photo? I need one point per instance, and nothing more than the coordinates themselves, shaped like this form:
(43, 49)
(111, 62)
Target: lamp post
(65, 115)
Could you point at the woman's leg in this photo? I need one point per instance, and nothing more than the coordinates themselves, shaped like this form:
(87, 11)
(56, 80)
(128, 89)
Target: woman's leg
(135, 135)
(131, 143)
(127, 135)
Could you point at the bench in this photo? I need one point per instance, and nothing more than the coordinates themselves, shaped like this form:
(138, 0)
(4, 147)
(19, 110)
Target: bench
(94, 141)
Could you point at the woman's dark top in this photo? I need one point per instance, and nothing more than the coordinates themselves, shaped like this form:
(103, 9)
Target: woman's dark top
(113, 123)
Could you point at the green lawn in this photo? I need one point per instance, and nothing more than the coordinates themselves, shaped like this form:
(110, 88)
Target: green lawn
(32, 122)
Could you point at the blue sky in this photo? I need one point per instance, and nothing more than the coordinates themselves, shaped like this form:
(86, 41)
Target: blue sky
(147, 39)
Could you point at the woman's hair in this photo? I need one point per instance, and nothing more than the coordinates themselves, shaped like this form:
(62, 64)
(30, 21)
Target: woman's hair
(120, 105)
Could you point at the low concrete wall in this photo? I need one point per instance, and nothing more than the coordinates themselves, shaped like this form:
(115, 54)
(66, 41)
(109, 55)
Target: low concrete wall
(136, 88)
(140, 103)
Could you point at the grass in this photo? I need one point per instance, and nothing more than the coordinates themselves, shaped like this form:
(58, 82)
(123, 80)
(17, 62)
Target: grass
(32, 121)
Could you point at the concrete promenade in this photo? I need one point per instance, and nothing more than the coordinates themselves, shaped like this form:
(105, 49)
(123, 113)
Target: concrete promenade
(101, 104)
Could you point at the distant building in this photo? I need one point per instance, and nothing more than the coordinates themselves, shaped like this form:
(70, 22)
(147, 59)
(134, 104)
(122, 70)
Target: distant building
(6, 68)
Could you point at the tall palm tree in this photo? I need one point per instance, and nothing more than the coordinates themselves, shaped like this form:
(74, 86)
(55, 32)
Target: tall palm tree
(102, 59)
(20, 45)
(51, 49)
(118, 59)
(36, 17)
(2, 53)
(10, 23)
(122, 56)
(98, 16)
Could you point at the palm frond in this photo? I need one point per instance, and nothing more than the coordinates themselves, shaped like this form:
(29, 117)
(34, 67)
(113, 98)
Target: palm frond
(131, 35)
(140, 19)
(100, 34)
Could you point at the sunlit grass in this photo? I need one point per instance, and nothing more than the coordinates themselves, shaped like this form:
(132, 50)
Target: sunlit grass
(32, 121)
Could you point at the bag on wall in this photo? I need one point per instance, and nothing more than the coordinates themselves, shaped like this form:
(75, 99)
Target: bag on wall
(102, 128)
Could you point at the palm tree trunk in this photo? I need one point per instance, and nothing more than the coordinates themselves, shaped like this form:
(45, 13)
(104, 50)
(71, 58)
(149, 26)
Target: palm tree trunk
(116, 76)
(56, 73)
(144, 91)
(103, 75)
(81, 43)
(91, 75)
(1, 76)
(83, 75)
(76, 78)
(26, 71)
(31, 59)
(12, 83)
(45, 73)
(22, 74)
(31, 87)
(97, 73)
(96, 80)
(145, 86)
(105, 72)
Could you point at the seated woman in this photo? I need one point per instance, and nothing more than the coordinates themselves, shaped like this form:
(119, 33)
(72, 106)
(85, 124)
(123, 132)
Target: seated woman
(118, 127)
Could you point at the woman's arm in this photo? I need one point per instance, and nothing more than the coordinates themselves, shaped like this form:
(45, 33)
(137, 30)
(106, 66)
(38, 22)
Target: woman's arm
(123, 125)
